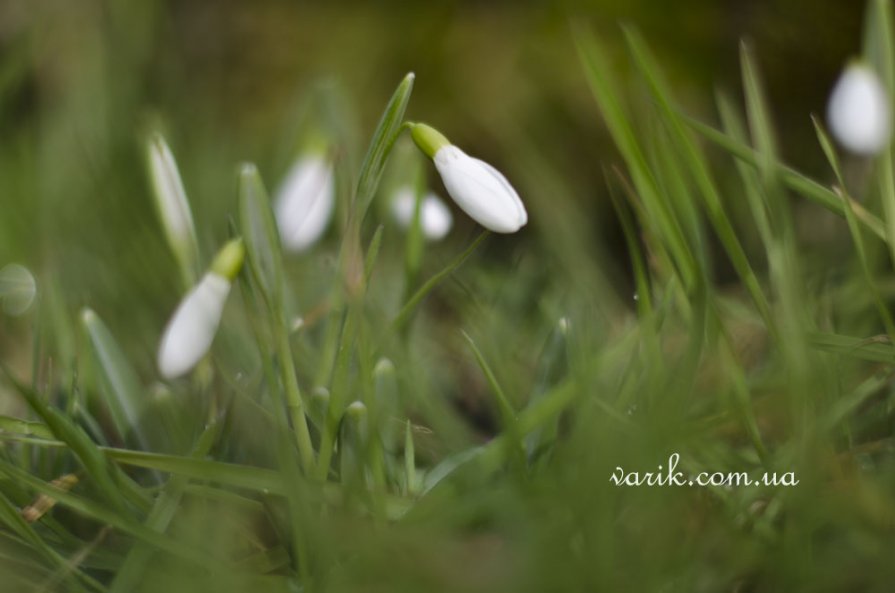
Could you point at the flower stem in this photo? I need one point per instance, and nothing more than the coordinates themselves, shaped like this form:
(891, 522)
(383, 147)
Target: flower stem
(293, 399)
(408, 309)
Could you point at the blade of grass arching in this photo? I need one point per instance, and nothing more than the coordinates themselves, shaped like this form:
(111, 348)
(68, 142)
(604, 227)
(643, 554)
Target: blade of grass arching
(387, 131)
(407, 310)
(505, 408)
(759, 120)
(854, 229)
(670, 176)
(702, 176)
(873, 349)
(635, 253)
(266, 266)
(131, 570)
(553, 364)
(736, 129)
(12, 519)
(125, 394)
(492, 456)
(879, 51)
(789, 177)
(231, 474)
(24, 427)
(782, 250)
(81, 446)
(604, 89)
(846, 405)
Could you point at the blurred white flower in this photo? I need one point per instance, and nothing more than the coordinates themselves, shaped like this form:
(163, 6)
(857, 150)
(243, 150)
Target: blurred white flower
(436, 219)
(191, 330)
(859, 111)
(478, 188)
(304, 202)
(17, 289)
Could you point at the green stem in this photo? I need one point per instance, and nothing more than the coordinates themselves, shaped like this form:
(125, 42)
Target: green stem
(293, 398)
(408, 309)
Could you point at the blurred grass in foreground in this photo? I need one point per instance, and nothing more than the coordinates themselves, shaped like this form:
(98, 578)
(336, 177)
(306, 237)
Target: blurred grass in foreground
(511, 394)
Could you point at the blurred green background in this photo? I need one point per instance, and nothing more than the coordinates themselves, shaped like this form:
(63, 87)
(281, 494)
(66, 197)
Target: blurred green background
(81, 80)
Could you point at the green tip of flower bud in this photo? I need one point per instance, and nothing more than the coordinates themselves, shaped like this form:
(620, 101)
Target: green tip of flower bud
(88, 316)
(428, 139)
(384, 367)
(356, 410)
(228, 261)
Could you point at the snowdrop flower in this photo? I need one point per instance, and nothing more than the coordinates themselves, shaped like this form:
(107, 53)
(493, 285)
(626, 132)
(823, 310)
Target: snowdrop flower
(478, 188)
(435, 217)
(192, 328)
(172, 204)
(304, 202)
(859, 111)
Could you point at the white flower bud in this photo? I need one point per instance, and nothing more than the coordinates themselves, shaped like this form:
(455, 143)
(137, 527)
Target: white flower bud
(859, 111)
(435, 217)
(192, 328)
(478, 188)
(304, 202)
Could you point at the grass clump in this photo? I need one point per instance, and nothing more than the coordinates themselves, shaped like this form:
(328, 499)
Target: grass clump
(385, 413)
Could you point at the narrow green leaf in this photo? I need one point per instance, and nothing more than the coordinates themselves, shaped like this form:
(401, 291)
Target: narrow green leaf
(701, 173)
(125, 397)
(791, 178)
(407, 310)
(879, 50)
(262, 240)
(13, 520)
(604, 89)
(854, 229)
(507, 413)
(106, 516)
(84, 449)
(132, 568)
(874, 349)
(384, 137)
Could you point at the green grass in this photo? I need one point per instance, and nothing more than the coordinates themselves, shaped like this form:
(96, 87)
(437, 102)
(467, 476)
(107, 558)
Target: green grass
(502, 379)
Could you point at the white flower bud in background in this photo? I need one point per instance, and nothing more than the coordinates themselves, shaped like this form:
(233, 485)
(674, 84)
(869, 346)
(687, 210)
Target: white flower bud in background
(172, 205)
(859, 111)
(191, 330)
(479, 189)
(436, 219)
(304, 202)
(17, 289)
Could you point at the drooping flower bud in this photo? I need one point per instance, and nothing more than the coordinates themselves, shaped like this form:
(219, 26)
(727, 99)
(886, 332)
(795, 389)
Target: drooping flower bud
(479, 189)
(191, 330)
(859, 111)
(304, 202)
